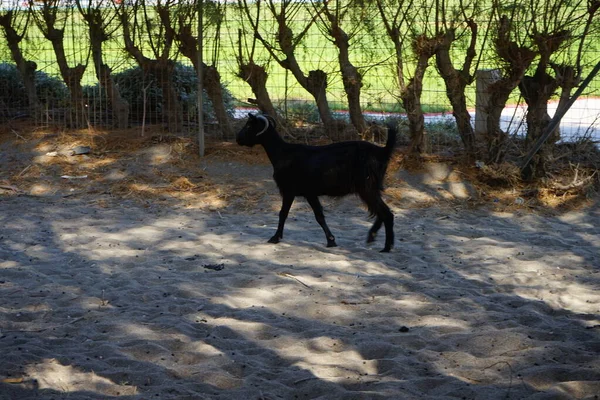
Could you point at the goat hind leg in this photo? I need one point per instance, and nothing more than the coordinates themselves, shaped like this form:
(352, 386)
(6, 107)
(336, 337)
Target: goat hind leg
(383, 214)
(286, 204)
(320, 217)
(388, 220)
(374, 229)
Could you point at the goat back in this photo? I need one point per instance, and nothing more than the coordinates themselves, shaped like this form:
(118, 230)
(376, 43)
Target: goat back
(337, 169)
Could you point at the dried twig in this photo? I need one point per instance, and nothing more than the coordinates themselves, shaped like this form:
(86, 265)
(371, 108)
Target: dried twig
(287, 275)
(17, 135)
(576, 182)
(510, 378)
(9, 187)
(44, 329)
(24, 170)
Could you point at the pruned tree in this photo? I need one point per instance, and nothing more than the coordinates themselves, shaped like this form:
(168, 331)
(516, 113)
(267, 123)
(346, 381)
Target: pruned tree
(51, 17)
(457, 26)
(514, 56)
(100, 19)
(407, 26)
(556, 27)
(143, 32)
(255, 75)
(330, 16)
(283, 48)
(180, 20)
(15, 22)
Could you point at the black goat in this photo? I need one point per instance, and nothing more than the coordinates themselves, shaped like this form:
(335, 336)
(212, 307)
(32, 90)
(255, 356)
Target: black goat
(335, 170)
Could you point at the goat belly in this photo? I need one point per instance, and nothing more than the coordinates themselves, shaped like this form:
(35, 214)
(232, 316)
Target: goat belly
(326, 184)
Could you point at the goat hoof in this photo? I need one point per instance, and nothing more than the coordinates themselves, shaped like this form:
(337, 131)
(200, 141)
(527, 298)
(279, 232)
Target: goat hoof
(386, 249)
(331, 244)
(274, 240)
(371, 238)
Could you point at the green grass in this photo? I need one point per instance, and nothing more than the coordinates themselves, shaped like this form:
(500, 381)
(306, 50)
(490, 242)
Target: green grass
(370, 51)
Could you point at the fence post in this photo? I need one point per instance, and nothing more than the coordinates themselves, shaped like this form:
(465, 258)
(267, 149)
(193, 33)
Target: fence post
(200, 74)
(484, 78)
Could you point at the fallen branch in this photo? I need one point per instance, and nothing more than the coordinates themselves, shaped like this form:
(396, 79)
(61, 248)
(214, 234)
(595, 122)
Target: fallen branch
(575, 183)
(17, 135)
(13, 188)
(285, 274)
(44, 329)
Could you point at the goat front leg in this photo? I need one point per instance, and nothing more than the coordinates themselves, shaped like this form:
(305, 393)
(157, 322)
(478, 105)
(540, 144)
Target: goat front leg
(320, 217)
(286, 204)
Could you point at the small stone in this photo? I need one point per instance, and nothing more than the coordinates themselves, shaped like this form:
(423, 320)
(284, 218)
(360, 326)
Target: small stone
(77, 150)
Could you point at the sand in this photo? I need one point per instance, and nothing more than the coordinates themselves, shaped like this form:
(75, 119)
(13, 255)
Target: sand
(105, 296)
(144, 301)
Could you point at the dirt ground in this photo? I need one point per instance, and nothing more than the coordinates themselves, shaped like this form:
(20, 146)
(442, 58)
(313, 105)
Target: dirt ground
(157, 168)
(139, 270)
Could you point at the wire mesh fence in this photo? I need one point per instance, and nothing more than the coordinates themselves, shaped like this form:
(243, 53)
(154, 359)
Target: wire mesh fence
(121, 63)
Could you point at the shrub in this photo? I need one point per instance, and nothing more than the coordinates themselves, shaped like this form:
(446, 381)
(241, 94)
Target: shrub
(133, 83)
(12, 91)
(51, 91)
(300, 111)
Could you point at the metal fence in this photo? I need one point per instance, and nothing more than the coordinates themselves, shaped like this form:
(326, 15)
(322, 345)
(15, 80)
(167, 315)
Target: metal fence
(55, 38)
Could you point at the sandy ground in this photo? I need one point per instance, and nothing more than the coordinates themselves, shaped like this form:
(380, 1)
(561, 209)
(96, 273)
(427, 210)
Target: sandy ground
(107, 297)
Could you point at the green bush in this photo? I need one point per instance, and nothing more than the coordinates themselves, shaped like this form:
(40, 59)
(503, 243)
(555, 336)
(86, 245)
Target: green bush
(12, 91)
(133, 82)
(50, 90)
(300, 111)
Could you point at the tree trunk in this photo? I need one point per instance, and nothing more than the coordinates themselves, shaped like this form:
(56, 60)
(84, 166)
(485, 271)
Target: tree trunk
(214, 90)
(411, 101)
(212, 78)
(26, 68)
(424, 48)
(456, 82)
(517, 59)
(71, 76)
(568, 79)
(537, 90)
(316, 81)
(495, 136)
(163, 72)
(256, 77)
(351, 78)
(120, 107)
(316, 84)
(162, 69)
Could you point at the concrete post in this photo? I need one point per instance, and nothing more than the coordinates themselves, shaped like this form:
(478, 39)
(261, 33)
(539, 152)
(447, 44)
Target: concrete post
(484, 78)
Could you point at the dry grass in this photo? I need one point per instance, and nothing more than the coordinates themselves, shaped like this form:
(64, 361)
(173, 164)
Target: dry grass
(161, 167)
(125, 165)
(500, 175)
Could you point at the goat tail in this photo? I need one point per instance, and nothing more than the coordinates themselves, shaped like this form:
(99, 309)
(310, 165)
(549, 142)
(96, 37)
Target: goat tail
(391, 141)
(375, 166)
